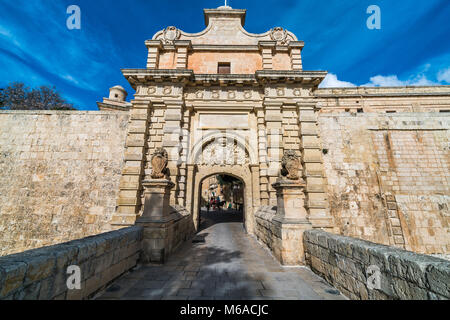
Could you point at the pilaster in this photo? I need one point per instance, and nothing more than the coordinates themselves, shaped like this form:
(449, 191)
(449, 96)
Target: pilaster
(263, 158)
(316, 198)
(153, 46)
(273, 119)
(267, 49)
(295, 51)
(173, 134)
(129, 201)
(182, 47)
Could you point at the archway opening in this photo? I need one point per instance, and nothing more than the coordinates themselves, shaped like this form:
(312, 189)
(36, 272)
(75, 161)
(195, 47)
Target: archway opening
(222, 200)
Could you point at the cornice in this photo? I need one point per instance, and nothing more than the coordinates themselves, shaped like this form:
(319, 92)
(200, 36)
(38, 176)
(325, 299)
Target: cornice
(188, 77)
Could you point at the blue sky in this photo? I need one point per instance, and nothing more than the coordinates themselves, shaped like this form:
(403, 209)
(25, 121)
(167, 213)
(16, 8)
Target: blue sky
(411, 48)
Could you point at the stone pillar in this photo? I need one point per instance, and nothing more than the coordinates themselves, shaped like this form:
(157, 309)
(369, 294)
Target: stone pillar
(156, 220)
(291, 219)
(156, 199)
(291, 200)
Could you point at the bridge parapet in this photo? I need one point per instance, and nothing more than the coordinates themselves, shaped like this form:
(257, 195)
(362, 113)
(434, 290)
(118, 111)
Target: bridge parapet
(363, 270)
(43, 273)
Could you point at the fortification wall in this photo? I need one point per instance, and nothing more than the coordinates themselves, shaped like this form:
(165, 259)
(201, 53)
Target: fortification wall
(59, 175)
(388, 177)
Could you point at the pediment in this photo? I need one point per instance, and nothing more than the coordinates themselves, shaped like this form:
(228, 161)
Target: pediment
(225, 26)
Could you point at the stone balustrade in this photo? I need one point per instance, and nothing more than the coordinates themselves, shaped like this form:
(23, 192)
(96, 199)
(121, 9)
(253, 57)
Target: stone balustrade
(353, 265)
(43, 273)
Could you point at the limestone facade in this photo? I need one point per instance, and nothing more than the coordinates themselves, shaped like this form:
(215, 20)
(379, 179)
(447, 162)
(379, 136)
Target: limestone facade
(213, 123)
(226, 101)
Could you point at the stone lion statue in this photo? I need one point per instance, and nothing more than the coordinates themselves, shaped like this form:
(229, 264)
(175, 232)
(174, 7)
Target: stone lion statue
(290, 165)
(159, 163)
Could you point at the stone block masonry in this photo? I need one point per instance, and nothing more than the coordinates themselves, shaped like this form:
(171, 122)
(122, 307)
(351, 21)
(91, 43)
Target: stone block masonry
(59, 175)
(41, 274)
(388, 177)
(345, 263)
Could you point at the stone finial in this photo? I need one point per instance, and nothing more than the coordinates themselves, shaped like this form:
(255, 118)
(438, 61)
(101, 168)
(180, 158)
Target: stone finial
(159, 163)
(290, 165)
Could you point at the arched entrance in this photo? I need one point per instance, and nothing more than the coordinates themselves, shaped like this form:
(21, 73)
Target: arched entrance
(240, 173)
(224, 153)
(221, 200)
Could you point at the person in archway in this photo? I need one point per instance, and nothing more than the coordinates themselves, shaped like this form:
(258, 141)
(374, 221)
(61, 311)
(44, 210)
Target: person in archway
(219, 203)
(213, 203)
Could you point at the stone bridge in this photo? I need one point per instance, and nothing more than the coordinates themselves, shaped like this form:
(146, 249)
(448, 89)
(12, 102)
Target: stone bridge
(223, 262)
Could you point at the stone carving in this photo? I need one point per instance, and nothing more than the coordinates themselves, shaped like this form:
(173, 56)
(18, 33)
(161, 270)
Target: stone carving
(290, 165)
(199, 94)
(167, 90)
(159, 163)
(280, 35)
(223, 152)
(171, 34)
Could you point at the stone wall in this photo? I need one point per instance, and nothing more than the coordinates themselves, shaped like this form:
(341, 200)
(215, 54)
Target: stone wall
(383, 99)
(265, 229)
(162, 238)
(344, 262)
(284, 239)
(388, 177)
(59, 175)
(42, 273)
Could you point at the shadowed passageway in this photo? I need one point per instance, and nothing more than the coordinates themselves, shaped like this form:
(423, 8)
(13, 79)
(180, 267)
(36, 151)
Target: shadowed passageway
(229, 264)
(209, 219)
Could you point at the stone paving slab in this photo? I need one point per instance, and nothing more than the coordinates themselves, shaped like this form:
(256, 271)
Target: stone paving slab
(230, 265)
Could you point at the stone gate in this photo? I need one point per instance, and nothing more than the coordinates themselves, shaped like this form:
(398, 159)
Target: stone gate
(223, 101)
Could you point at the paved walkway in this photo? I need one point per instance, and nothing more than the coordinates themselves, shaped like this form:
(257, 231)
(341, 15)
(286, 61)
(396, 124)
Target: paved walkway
(230, 264)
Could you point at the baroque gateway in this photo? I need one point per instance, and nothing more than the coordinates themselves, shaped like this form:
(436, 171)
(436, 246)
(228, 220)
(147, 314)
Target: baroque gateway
(367, 163)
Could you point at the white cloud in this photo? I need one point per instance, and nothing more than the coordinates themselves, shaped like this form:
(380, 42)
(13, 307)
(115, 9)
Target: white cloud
(331, 81)
(394, 81)
(416, 79)
(444, 75)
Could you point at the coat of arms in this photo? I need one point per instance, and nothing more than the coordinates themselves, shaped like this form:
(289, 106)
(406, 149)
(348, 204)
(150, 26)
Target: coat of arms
(159, 163)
